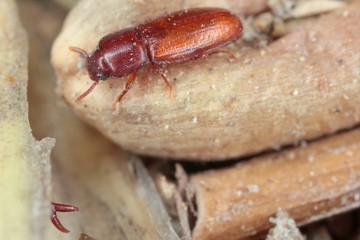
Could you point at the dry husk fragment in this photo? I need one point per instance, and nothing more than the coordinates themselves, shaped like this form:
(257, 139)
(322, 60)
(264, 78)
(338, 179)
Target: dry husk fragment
(285, 228)
(303, 8)
(300, 87)
(24, 162)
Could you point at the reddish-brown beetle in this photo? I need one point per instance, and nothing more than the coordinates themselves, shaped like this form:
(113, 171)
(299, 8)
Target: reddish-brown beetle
(173, 38)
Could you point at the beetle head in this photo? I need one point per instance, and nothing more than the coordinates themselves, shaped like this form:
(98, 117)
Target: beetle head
(97, 67)
(95, 64)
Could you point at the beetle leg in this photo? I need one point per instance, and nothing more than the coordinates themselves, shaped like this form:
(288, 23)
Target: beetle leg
(168, 84)
(78, 99)
(166, 80)
(59, 207)
(130, 81)
(232, 55)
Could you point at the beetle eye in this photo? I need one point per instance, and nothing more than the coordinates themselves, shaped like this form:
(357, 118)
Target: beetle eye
(102, 77)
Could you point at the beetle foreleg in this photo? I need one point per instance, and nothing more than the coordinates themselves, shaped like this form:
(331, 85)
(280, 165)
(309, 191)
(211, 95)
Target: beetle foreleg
(128, 85)
(78, 99)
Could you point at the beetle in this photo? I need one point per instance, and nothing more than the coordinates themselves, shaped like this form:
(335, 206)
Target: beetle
(173, 38)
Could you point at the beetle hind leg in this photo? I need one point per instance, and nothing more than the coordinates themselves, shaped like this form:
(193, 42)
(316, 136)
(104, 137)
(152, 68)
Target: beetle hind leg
(166, 80)
(168, 84)
(224, 51)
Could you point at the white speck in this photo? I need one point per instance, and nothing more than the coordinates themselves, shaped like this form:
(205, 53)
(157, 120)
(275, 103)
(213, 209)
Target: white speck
(212, 86)
(302, 59)
(312, 37)
(253, 233)
(216, 141)
(349, 153)
(345, 14)
(346, 97)
(310, 158)
(247, 60)
(232, 124)
(344, 201)
(295, 92)
(253, 188)
(237, 209)
(312, 173)
(194, 119)
(334, 178)
(223, 218)
(276, 147)
(303, 144)
(238, 193)
(357, 197)
(291, 155)
(262, 52)
(166, 127)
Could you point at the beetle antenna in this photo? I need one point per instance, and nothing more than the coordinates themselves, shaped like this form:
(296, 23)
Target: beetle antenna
(79, 98)
(79, 50)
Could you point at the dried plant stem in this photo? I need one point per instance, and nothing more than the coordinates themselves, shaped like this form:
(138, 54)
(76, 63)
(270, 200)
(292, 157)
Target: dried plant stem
(311, 183)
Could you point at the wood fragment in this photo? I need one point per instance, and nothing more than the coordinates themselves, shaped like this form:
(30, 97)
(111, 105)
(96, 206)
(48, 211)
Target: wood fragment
(25, 175)
(310, 182)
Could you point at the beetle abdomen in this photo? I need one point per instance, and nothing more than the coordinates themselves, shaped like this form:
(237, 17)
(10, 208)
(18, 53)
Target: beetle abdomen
(188, 34)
